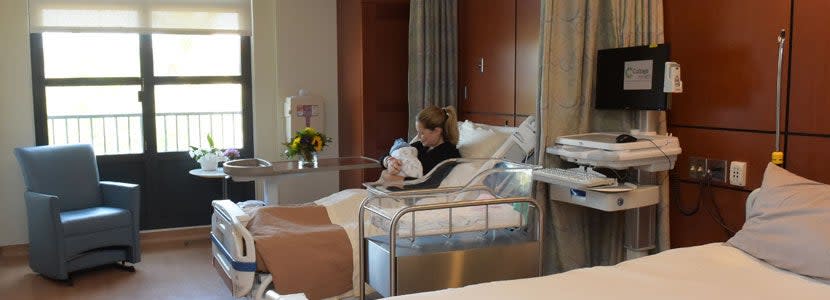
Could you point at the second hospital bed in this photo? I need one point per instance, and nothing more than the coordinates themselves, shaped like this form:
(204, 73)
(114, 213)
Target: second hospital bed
(234, 249)
(711, 271)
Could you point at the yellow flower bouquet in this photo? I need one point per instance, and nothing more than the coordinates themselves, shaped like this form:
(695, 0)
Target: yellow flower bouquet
(306, 143)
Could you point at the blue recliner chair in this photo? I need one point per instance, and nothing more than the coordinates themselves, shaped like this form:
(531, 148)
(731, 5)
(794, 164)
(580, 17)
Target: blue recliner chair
(75, 220)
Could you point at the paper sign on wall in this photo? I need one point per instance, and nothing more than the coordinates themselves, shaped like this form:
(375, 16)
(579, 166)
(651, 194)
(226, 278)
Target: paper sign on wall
(307, 111)
(637, 75)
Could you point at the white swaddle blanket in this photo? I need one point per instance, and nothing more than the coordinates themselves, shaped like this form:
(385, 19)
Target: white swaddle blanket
(410, 165)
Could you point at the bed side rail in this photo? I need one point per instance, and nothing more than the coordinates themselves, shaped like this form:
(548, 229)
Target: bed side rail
(233, 249)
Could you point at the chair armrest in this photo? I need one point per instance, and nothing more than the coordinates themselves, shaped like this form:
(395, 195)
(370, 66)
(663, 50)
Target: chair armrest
(122, 195)
(126, 196)
(43, 212)
(45, 231)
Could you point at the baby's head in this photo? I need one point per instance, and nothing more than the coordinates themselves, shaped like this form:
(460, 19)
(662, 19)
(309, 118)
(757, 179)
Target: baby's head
(399, 143)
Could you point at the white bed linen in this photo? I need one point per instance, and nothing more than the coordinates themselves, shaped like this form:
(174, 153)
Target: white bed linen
(713, 271)
(342, 208)
(464, 219)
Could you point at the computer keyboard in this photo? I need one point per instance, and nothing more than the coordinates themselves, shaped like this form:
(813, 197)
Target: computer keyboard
(577, 177)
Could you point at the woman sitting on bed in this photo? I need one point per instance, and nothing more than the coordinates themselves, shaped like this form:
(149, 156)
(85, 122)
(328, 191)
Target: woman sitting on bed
(438, 136)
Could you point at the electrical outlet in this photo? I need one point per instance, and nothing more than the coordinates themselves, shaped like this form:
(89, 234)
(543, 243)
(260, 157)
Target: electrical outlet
(716, 168)
(697, 168)
(737, 173)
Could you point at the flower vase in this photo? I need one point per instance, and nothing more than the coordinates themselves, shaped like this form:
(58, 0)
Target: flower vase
(308, 159)
(208, 164)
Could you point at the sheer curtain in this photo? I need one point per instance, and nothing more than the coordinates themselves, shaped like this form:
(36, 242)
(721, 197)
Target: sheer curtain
(433, 55)
(141, 16)
(573, 31)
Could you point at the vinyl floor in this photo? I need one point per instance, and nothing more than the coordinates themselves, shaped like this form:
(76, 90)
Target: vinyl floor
(175, 270)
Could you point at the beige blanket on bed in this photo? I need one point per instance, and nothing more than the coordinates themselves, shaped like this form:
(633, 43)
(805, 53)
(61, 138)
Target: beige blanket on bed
(303, 250)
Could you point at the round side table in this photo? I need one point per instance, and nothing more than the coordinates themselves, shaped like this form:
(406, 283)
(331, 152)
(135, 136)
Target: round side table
(219, 173)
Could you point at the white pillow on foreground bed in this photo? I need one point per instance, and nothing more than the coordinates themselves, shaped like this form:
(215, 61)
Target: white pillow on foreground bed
(789, 224)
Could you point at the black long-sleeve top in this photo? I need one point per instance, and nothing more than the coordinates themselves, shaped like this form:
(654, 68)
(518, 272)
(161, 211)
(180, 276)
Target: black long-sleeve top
(430, 158)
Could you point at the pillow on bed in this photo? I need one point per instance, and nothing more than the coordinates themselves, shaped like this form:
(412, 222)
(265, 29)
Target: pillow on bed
(789, 224)
(479, 142)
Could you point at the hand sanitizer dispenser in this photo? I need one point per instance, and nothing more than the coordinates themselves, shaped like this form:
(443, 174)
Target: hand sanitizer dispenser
(671, 80)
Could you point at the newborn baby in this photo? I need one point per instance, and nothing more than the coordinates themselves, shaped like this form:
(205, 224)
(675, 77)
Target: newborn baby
(408, 155)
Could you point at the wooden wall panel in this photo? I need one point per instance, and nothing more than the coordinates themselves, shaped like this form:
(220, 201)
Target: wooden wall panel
(487, 30)
(519, 120)
(753, 148)
(372, 38)
(528, 15)
(350, 85)
(728, 54)
(491, 119)
(809, 100)
(386, 58)
(807, 156)
(700, 228)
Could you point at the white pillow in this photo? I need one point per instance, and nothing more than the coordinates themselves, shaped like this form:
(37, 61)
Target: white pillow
(476, 142)
(789, 224)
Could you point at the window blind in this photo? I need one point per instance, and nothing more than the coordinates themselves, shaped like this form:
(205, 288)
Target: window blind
(141, 16)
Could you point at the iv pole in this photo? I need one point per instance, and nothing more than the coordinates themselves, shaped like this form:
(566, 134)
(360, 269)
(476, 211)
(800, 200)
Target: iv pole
(778, 156)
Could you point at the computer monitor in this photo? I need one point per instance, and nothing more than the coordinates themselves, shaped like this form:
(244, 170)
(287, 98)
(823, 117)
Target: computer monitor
(631, 78)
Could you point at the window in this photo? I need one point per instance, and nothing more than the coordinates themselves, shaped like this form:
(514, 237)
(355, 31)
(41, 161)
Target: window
(97, 88)
(141, 76)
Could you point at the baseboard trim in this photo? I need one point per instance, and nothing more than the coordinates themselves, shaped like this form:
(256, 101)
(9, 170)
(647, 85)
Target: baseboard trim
(180, 234)
(153, 237)
(20, 250)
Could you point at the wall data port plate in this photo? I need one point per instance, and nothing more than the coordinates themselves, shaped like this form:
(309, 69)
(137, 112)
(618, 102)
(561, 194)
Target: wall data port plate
(716, 169)
(697, 167)
(700, 168)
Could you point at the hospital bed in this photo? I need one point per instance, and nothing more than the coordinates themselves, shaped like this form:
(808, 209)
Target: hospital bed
(712, 271)
(234, 253)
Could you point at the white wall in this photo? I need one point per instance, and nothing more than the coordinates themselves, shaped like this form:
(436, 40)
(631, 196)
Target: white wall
(294, 45)
(16, 117)
(304, 34)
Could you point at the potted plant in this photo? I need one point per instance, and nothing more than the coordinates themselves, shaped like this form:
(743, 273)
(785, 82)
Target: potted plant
(209, 158)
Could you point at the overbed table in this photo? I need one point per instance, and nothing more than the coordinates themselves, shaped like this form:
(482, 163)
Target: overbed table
(271, 172)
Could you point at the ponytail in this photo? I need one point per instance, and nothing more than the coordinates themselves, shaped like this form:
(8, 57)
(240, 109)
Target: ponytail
(451, 125)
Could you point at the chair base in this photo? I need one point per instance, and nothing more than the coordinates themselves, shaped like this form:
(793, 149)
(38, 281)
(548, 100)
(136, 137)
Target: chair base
(124, 267)
(70, 282)
(67, 282)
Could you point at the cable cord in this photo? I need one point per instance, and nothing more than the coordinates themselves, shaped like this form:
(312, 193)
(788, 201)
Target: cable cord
(714, 210)
(677, 196)
(668, 160)
(705, 187)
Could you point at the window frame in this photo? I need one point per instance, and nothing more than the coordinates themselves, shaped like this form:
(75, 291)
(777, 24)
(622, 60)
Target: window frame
(148, 81)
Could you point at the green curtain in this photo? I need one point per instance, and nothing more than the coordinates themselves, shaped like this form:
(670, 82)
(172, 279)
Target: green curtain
(572, 32)
(433, 55)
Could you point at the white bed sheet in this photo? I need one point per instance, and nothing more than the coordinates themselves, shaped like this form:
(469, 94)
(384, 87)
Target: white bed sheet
(342, 208)
(464, 219)
(713, 271)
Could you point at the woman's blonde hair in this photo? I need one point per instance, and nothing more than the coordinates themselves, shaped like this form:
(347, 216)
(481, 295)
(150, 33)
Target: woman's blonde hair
(433, 117)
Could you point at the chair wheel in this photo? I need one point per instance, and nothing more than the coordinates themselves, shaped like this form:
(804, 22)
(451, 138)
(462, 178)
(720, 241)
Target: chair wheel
(125, 267)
